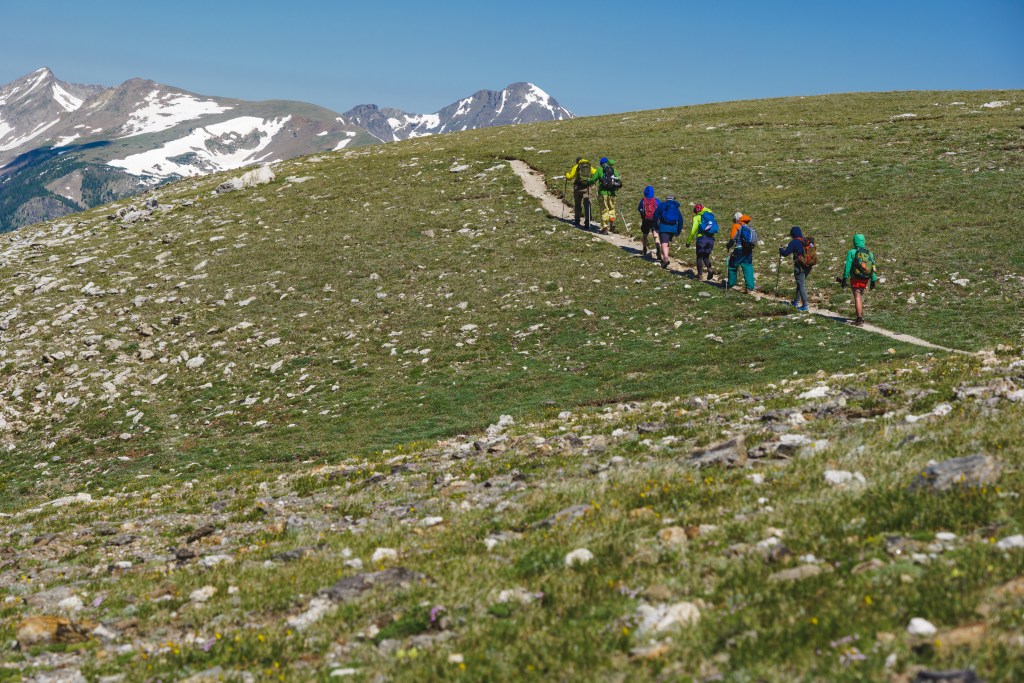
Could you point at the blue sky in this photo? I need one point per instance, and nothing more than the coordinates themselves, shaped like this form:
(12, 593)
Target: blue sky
(594, 57)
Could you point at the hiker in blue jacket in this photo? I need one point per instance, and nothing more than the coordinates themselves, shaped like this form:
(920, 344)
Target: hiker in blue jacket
(669, 223)
(648, 208)
(800, 271)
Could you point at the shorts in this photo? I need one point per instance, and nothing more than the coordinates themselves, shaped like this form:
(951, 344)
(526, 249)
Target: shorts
(666, 237)
(859, 282)
(646, 226)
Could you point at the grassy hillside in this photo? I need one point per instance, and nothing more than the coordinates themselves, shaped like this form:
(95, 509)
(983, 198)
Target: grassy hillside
(938, 195)
(270, 371)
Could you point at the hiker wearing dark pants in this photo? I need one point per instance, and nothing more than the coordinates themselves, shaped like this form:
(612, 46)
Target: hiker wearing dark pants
(648, 208)
(742, 241)
(608, 183)
(703, 232)
(668, 220)
(582, 175)
(861, 273)
(798, 247)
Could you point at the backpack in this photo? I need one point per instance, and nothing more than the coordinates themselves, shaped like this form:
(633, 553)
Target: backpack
(863, 264)
(748, 237)
(650, 205)
(809, 258)
(583, 173)
(669, 215)
(708, 224)
(610, 181)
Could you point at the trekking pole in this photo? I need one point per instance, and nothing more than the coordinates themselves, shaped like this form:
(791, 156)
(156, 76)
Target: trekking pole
(778, 275)
(624, 223)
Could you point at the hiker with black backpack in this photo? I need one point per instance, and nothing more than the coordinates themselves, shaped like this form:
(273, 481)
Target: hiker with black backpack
(742, 242)
(648, 208)
(668, 221)
(608, 182)
(703, 232)
(861, 273)
(582, 175)
(805, 257)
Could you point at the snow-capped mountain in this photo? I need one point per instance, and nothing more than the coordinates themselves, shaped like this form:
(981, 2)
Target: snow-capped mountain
(33, 105)
(66, 147)
(518, 103)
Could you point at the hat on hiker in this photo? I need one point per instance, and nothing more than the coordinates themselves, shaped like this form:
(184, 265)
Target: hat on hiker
(697, 208)
(604, 160)
(579, 159)
(670, 198)
(737, 216)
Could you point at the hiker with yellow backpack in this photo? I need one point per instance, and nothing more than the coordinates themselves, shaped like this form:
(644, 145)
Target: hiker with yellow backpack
(582, 175)
(861, 273)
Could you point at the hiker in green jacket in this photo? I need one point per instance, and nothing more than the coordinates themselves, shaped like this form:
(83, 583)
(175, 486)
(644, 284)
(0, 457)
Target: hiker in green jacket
(861, 273)
(608, 183)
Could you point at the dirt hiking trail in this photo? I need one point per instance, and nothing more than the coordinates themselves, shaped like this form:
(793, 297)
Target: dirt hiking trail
(533, 183)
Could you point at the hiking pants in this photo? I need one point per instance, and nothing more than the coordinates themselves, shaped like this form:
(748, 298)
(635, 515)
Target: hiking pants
(800, 274)
(578, 194)
(739, 260)
(705, 245)
(607, 210)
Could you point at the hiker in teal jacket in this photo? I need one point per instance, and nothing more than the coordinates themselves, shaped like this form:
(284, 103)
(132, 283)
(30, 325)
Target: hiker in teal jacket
(861, 273)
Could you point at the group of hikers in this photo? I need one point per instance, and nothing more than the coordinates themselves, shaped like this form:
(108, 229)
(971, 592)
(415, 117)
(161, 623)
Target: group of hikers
(661, 221)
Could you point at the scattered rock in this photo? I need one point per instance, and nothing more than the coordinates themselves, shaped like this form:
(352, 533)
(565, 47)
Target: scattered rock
(318, 607)
(971, 471)
(384, 555)
(569, 514)
(662, 618)
(921, 628)
(352, 586)
(673, 537)
(580, 556)
(203, 594)
(201, 532)
(816, 392)
(1011, 543)
(48, 629)
(958, 676)
(731, 453)
(842, 478)
(800, 573)
(517, 594)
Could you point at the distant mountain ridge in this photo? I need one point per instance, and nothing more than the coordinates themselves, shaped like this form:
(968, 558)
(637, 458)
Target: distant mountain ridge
(65, 147)
(518, 103)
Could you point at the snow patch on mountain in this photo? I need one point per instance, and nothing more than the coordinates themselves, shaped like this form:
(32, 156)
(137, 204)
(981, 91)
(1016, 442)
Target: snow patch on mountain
(216, 147)
(66, 100)
(17, 142)
(66, 140)
(166, 110)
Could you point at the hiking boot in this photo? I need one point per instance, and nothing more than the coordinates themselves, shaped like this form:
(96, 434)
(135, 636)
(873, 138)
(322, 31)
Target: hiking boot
(604, 231)
(643, 254)
(859, 322)
(664, 263)
(794, 303)
(803, 309)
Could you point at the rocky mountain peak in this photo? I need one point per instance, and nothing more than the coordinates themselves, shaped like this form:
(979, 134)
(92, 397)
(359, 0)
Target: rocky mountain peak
(520, 102)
